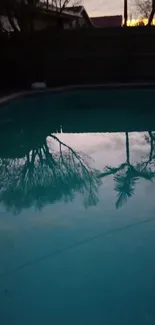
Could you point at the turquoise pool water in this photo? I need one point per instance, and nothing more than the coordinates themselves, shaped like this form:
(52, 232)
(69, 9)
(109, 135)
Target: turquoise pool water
(77, 209)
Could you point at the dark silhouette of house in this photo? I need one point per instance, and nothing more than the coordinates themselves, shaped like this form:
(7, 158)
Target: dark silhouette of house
(107, 21)
(68, 18)
(83, 17)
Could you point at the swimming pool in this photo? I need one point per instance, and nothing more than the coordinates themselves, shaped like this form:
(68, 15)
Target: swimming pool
(77, 208)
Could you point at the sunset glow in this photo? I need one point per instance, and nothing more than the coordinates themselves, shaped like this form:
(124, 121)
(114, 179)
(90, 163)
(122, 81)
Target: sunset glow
(135, 22)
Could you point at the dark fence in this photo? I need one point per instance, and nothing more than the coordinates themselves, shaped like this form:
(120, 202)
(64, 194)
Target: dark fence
(78, 56)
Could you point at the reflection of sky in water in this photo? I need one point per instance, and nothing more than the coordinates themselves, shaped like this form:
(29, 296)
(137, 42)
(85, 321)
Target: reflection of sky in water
(111, 143)
(72, 264)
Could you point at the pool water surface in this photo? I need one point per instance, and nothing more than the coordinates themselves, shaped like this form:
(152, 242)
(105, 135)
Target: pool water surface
(77, 209)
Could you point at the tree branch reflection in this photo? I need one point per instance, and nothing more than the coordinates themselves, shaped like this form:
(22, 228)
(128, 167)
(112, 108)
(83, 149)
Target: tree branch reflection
(127, 174)
(45, 176)
(52, 171)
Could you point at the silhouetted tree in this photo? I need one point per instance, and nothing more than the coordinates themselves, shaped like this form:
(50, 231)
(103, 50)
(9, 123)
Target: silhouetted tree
(152, 13)
(60, 5)
(146, 9)
(125, 12)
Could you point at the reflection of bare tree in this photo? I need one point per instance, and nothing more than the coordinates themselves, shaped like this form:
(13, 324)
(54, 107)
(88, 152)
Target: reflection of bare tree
(43, 177)
(150, 139)
(126, 176)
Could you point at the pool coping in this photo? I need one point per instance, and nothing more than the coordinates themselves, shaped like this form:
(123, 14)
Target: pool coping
(135, 85)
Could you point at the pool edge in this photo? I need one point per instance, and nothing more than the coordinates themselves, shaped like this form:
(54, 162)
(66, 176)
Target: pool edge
(15, 95)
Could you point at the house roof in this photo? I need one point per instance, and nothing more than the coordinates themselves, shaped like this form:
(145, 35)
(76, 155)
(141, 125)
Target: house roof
(107, 21)
(75, 8)
(70, 12)
(82, 11)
